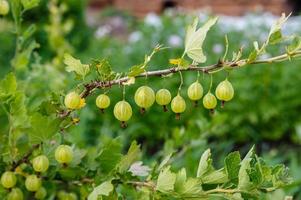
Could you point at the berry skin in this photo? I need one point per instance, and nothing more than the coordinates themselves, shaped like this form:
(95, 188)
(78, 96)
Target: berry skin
(8, 179)
(15, 194)
(224, 91)
(144, 97)
(72, 100)
(195, 91)
(163, 98)
(103, 102)
(178, 105)
(4, 7)
(123, 111)
(63, 154)
(41, 193)
(33, 183)
(209, 101)
(40, 163)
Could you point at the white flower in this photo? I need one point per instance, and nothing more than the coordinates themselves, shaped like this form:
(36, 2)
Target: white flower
(103, 31)
(137, 169)
(217, 48)
(174, 41)
(135, 36)
(152, 19)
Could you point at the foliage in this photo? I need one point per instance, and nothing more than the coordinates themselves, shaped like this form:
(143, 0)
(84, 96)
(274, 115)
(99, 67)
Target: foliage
(35, 122)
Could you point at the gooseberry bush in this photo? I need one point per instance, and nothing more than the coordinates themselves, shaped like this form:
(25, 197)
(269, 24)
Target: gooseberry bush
(39, 162)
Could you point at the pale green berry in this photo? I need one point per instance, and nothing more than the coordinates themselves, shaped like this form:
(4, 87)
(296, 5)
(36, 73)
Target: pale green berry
(63, 154)
(41, 193)
(33, 183)
(40, 163)
(209, 101)
(103, 101)
(15, 194)
(195, 91)
(72, 100)
(163, 98)
(144, 97)
(178, 105)
(4, 7)
(8, 179)
(224, 91)
(123, 111)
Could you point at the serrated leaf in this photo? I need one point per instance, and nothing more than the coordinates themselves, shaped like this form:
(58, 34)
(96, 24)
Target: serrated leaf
(18, 111)
(110, 156)
(243, 177)
(131, 156)
(136, 70)
(166, 180)
(180, 62)
(205, 163)
(42, 128)
(215, 177)
(75, 65)
(275, 35)
(232, 165)
(8, 85)
(195, 38)
(104, 69)
(103, 189)
(295, 45)
(192, 186)
(180, 180)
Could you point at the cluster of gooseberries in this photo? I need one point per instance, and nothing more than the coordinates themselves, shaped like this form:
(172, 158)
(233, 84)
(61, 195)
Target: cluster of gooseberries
(145, 98)
(33, 182)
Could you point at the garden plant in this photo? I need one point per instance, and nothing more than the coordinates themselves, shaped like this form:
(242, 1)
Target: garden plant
(40, 159)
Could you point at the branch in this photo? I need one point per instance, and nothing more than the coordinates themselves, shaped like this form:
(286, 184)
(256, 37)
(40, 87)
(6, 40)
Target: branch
(209, 69)
(25, 157)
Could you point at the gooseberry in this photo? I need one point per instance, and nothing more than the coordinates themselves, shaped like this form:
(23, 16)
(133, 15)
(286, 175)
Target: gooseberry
(8, 179)
(224, 91)
(33, 183)
(63, 154)
(41, 193)
(4, 7)
(72, 100)
(123, 112)
(15, 194)
(195, 92)
(178, 105)
(144, 97)
(163, 98)
(209, 101)
(40, 163)
(102, 102)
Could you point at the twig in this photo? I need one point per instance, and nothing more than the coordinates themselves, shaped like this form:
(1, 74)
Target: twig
(209, 69)
(25, 157)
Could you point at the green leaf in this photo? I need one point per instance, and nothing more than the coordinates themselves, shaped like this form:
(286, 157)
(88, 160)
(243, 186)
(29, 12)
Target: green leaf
(275, 35)
(75, 65)
(243, 177)
(42, 128)
(8, 85)
(103, 189)
(166, 180)
(110, 156)
(180, 180)
(205, 163)
(165, 161)
(215, 177)
(131, 156)
(295, 45)
(104, 69)
(29, 4)
(195, 38)
(232, 165)
(182, 63)
(21, 60)
(136, 70)
(18, 111)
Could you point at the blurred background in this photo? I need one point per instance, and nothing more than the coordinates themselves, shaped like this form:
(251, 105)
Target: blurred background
(267, 104)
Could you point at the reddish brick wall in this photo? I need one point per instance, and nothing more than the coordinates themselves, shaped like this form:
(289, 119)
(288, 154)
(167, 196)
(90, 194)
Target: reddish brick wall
(229, 7)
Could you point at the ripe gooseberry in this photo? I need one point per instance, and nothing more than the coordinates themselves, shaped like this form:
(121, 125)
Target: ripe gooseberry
(8, 179)
(63, 154)
(72, 100)
(15, 194)
(178, 105)
(102, 102)
(195, 92)
(224, 91)
(163, 98)
(4, 7)
(40, 163)
(41, 193)
(144, 97)
(123, 112)
(33, 183)
(209, 101)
